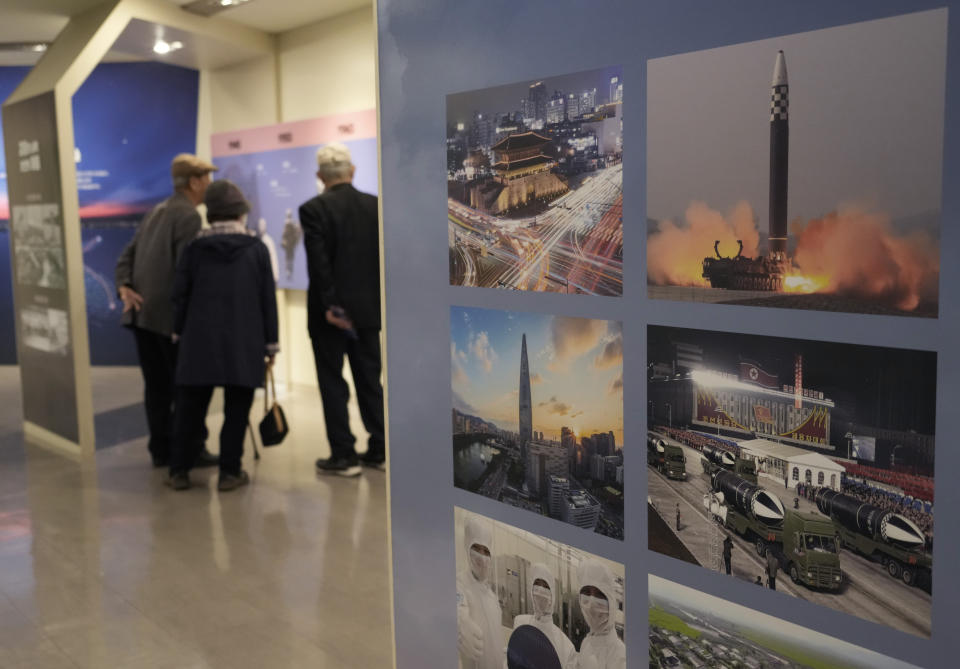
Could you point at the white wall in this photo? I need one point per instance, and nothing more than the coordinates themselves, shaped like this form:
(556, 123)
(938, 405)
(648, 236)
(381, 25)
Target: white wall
(324, 68)
(328, 67)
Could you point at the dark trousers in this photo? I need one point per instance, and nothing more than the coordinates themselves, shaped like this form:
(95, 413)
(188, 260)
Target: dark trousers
(329, 347)
(158, 361)
(726, 564)
(192, 403)
(772, 582)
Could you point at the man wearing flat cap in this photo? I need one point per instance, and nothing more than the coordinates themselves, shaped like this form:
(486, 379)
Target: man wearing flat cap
(144, 277)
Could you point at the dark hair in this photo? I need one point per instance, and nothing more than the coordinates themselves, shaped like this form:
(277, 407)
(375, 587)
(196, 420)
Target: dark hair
(217, 218)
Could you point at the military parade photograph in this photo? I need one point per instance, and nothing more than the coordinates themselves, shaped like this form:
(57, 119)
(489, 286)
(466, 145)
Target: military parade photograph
(538, 414)
(524, 600)
(802, 466)
(801, 172)
(535, 184)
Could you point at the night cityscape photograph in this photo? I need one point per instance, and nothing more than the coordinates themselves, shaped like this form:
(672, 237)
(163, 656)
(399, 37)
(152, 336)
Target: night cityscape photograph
(535, 184)
(784, 173)
(537, 413)
(803, 466)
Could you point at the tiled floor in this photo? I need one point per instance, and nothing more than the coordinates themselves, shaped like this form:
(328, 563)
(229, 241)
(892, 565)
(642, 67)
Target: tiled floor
(101, 566)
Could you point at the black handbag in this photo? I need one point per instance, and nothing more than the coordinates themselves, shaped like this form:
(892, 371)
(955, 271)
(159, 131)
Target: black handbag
(273, 427)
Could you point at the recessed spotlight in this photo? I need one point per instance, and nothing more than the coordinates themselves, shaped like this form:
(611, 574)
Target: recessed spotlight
(162, 47)
(211, 7)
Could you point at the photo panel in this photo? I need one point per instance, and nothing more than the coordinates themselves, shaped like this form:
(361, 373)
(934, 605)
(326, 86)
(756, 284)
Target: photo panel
(801, 466)
(535, 184)
(803, 171)
(691, 629)
(524, 600)
(537, 414)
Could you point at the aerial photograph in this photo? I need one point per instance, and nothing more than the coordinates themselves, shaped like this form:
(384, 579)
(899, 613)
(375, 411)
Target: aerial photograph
(803, 466)
(693, 630)
(784, 173)
(537, 414)
(535, 184)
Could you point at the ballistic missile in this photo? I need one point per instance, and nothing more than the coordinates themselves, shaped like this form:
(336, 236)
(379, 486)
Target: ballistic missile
(779, 151)
(719, 456)
(749, 498)
(869, 520)
(655, 445)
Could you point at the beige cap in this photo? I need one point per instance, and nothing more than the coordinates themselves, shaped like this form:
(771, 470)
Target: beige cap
(186, 165)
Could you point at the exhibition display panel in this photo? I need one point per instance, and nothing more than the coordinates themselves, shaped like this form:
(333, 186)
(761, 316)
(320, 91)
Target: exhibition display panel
(717, 230)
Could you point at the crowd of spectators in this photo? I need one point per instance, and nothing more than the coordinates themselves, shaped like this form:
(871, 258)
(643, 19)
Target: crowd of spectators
(696, 440)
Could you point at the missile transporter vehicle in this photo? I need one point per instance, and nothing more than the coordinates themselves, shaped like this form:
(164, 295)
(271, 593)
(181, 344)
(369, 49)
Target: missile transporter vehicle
(742, 273)
(880, 535)
(717, 458)
(666, 458)
(803, 543)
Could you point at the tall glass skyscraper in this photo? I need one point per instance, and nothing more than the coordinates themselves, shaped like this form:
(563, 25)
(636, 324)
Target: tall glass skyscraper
(526, 405)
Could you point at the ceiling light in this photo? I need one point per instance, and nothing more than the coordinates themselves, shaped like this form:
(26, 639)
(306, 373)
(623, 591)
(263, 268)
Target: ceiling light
(162, 47)
(34, 47)
(211, 7)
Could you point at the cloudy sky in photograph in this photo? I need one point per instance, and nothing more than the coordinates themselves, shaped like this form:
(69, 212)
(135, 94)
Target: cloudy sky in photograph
(576, 370)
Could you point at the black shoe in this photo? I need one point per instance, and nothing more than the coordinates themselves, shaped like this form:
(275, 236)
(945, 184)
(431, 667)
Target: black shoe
(160, 460)
(232, 481)
(206, 459)
(374, 463)
(178, 481)
(339, 466)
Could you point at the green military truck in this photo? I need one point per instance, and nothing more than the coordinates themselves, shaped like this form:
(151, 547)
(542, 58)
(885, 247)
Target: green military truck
(803, 543)
(881, 535)
(715, 458)
(666, 458)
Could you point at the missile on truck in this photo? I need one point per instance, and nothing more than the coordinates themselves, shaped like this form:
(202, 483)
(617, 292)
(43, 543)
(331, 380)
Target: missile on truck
(715, 458)
(879, 534)
(803, 543)
(668, 459)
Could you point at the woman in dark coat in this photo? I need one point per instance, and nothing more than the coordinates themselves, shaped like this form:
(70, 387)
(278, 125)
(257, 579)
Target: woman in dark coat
(226, 322)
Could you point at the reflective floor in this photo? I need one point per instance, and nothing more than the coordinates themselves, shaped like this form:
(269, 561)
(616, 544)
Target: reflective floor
(102, 566)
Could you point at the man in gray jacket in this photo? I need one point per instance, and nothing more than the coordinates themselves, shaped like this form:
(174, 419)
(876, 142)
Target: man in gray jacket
(144, 278)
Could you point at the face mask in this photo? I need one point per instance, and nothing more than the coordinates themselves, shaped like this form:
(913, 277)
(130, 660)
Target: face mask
(595, 610)
(479, 564)
(542, 601)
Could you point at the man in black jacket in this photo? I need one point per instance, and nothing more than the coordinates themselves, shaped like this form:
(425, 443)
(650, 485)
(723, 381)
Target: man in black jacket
(144, 278)
(341, 236)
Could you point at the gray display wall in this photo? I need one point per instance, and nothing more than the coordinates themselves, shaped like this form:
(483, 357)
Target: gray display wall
(846, 144)
(38, 254)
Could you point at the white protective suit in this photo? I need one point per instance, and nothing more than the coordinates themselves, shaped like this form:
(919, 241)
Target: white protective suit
(271, 248)
(601, 648)
(542, 617)
(479, 618)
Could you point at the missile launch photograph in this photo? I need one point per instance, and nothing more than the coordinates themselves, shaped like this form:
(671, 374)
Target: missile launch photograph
(802, 466)
(802, 171)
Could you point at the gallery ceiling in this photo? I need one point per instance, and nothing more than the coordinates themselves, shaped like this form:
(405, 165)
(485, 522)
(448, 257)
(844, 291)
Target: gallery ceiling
(41, 20)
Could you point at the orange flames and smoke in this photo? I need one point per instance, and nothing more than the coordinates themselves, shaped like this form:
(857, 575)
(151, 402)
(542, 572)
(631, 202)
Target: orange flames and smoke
(675, 252)
(851, 251)
(857, 253)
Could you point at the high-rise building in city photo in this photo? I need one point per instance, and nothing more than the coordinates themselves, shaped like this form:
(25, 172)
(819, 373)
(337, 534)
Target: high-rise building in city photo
(537, 101)
(616, 89)
(526, 403)
(558, 487)
(580, 508)
(544, 459)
